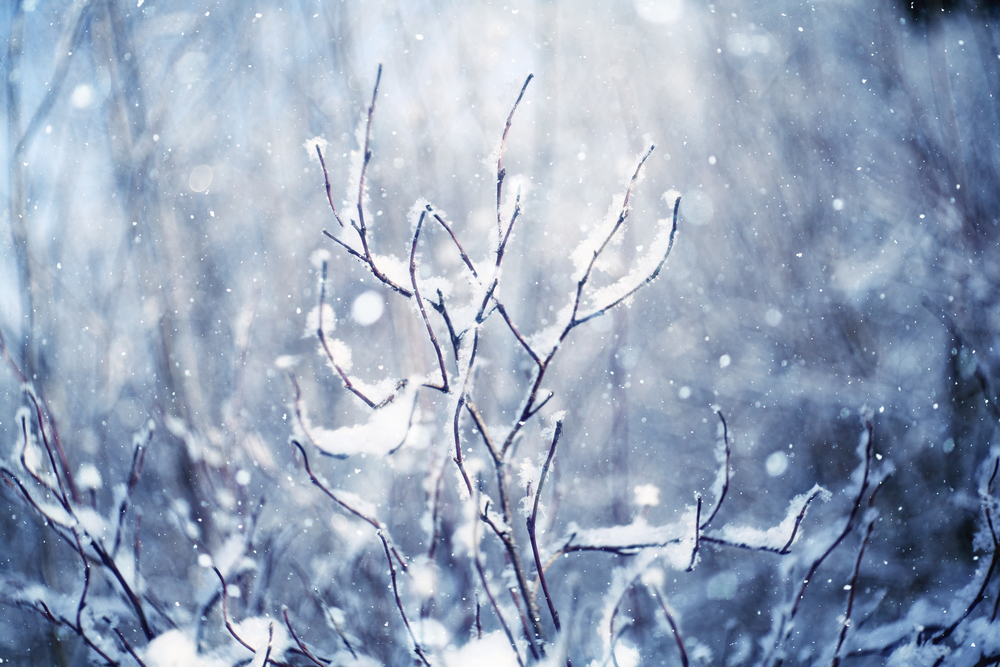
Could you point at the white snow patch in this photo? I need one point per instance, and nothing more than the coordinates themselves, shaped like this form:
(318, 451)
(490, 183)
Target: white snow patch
(493, 650)
(312, 144)
(383, 432)
(647, 495)
(174, 648)
(313, 321)
(89, 478)
(777, 537)
(643, 269)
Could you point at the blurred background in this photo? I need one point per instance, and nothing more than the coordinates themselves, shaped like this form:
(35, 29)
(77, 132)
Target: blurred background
(837, 249)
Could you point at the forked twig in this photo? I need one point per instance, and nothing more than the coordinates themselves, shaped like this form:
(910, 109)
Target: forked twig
(321, 333)
(493, 602)
(869, 528)
(423, 311)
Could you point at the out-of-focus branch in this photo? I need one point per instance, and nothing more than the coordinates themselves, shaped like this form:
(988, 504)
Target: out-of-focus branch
(489, 594)
(298, 642)
(869, 528)
(658, 594)
(370, 520)
(399, 603)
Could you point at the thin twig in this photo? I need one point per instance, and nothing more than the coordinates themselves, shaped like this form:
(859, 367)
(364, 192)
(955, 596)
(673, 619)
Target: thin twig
(658, 594)
(531, 527)
(375, 523)
(451, 233)
(697, 536)
(326, 179)
(854, 582)
(135, 470)
(501, 172)
(399, 603)
(225, 612)
(56, 444)
(496, 607)
(298, 642)
(423, 311)
(125, 643)
(725, 484)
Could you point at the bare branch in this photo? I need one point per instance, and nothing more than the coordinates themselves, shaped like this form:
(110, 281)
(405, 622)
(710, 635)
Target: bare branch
(501, 172)
(697, 537)
(451, 233)
(399, 603)
(423, 311)
(486, 587)
(531, 527)
(326, 179)
(367, 156)
(298, 642)
(225, 612)
(670, 620)
(725, 484)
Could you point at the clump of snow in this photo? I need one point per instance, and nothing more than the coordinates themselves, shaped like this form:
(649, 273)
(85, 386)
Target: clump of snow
(626, 655)
(89, 478)
(528, 474)
(647, 495)
(319, 257)
(419, 208)
(643, 269)
(431, 634)
(175, 648)
(312, 144)
(673, 542)
(493, 650)
(553, 422)
(653, 577)
(258, 633)
(777, 537)
(393, 268)
(313, 321)
(286, 362)
(384, 431)
(340, 352)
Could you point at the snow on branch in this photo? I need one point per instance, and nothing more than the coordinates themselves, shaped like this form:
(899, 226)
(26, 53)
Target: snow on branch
(778, 539)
